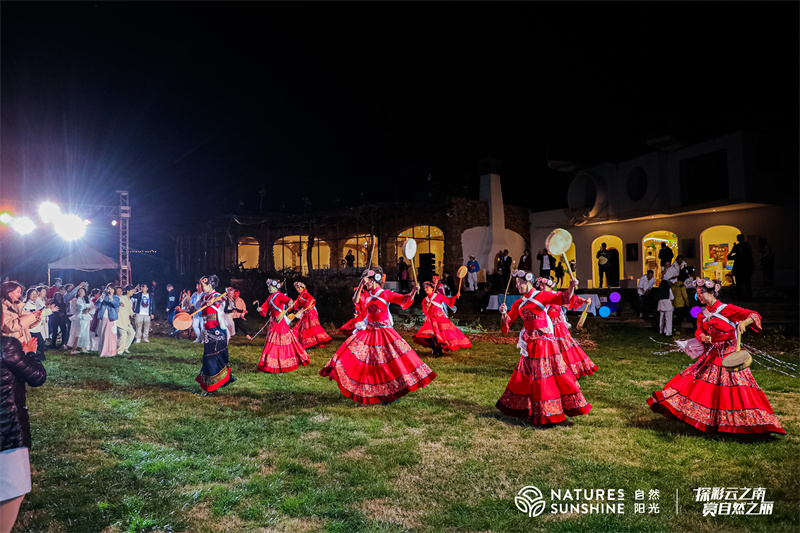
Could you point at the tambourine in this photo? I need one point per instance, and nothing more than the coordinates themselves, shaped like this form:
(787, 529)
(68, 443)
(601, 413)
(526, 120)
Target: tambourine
(410, 251)
(557, 243)
(182, 321)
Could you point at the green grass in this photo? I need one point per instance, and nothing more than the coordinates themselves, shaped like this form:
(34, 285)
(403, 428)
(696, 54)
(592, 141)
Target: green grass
(128, 444)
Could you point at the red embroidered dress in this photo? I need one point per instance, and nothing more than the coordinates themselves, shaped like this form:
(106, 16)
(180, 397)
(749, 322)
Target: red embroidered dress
(308, 330)
(577, 360)
(438, 326)
(282, 351)
(542, 388)
(709, 397)
(376, 364)
(215, 372)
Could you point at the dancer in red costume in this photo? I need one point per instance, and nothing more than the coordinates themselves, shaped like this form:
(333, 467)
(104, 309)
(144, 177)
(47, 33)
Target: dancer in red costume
(348, 328)
(308, 329)
(438, 333)
(375, 364)
(577, 360)
(216, 372)
(706, 395)
(282, 351)
(542, 388)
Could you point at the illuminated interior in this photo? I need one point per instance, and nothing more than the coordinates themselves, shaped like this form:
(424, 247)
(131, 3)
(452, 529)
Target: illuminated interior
(651, 244)
(716, 243)
(612, 243)
(360, 246)
(290, 252)
(430, 239)
(248, 252)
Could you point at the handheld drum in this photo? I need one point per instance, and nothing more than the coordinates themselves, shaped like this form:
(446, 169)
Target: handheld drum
(409, 252)
(557, 243)
(183, 321)
(461, 273)
(738, 360)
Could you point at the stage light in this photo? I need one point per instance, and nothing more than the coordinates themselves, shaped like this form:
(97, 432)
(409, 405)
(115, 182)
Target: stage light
(48, 212)
(5, 218)
(23, 225)
(604, 312)
(87, 222)
(113, 222)
(614, 297)
(695, 311)
(70, 227)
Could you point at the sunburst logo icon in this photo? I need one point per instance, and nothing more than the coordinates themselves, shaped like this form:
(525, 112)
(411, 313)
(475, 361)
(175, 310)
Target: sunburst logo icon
(530, 501)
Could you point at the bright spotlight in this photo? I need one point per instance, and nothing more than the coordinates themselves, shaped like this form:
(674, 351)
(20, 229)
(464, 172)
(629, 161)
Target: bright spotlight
(87, 222)
(5, 218)
(48, 212)
(70, 227)
(113, 222)
(23, 225)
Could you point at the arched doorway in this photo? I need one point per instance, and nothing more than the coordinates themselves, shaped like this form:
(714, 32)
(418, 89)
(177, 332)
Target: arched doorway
(292, 252)
(359, 246)
(651, 245)
(430, 249)
(247, 252)
(615, 269)
(716, 243)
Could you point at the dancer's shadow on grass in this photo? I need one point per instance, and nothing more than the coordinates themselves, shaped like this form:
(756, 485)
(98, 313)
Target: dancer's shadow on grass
(520, 422)
(669, 430)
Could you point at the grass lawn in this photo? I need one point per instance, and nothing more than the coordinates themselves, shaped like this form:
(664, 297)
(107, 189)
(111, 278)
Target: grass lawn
(128, 444)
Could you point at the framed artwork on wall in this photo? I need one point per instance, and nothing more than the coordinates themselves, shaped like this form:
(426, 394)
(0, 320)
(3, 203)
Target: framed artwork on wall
(632, 251)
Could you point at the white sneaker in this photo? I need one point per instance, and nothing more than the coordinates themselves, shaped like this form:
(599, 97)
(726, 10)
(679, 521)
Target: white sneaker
(138, 341)
(146, 340)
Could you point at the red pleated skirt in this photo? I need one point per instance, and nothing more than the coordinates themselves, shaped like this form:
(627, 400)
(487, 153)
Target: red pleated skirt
(282, 351)
(309, 331)
(577, 360)
(710, 398)
(542, 388)
(377, 365)
(439, 327)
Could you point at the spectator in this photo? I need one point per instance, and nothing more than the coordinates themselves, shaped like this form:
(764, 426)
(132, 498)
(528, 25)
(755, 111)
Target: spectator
(546, 263)
(767, 261)
(742, 257)
(18, 367)
(80, 307)
(143, 309)
(681, 301)
(665, 255)
(17, 322)
(402, 273)
(559, 272)
(643, 288)
(125, 331)
(603, 264)
(58, 320)
(350, 259)
(107, 313)
(664, 296)
(239, 314)
(38, 331)
(525, 261)
(172, 302)
(228, 307)
(197, 318)
(671, 272)
(449, 282)
(94, 299)
(507, 264)
(473, 267)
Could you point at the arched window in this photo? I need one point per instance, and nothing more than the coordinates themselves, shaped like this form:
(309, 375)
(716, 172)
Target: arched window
(359, 247)
(247, 252)
(292, 252)
(651, 246)
(430, 240)
(716, 243)
(615, 269)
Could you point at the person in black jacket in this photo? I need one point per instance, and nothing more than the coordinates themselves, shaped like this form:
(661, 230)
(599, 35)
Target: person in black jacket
(18, 366)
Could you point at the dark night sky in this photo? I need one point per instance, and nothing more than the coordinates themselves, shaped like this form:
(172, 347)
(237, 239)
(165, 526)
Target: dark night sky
(193, 107)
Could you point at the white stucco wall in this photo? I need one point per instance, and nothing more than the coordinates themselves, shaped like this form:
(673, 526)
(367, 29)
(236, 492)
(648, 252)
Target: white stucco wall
(484, 242)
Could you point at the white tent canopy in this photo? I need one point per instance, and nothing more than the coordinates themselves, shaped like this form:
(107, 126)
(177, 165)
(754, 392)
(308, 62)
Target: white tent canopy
(86, 259)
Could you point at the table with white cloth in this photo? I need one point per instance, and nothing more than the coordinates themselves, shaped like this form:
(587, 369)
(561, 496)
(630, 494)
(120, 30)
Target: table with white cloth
(594, 303)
